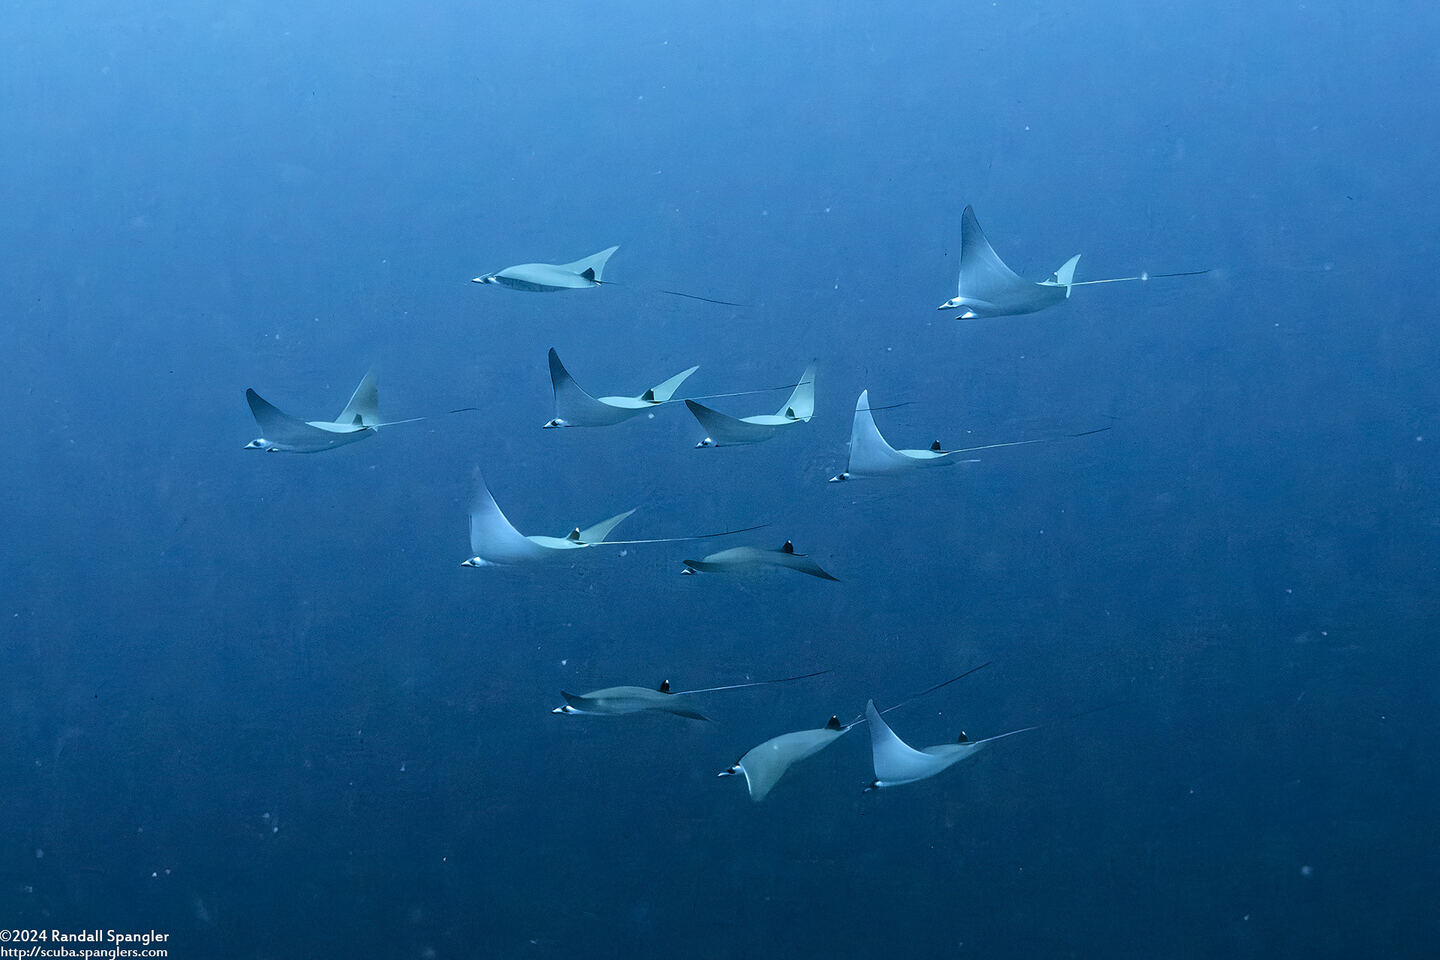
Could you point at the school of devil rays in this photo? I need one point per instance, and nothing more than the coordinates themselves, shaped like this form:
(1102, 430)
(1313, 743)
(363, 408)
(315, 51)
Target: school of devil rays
(987, 289)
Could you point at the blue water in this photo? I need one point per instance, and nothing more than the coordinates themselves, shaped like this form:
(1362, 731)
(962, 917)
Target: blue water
(254, 701)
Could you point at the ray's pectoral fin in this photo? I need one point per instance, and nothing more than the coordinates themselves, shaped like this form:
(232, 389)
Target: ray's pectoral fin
(598, 532)
(895, 761)
(363, 408)
(592, 267)
(663, 392)
(1065, 276)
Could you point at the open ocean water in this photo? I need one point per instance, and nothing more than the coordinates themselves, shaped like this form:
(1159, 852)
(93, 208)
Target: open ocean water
(253, 701)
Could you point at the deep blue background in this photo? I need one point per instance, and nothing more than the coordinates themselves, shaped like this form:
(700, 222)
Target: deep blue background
(254, 700)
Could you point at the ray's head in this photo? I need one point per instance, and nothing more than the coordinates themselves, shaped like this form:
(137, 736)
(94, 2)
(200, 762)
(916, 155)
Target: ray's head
(840, 478)
(488, 278)
(950, 304)
(475, 562)
(259, 443)
(734, 770)
(707, 442)
(557, 422)
(565, 709)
